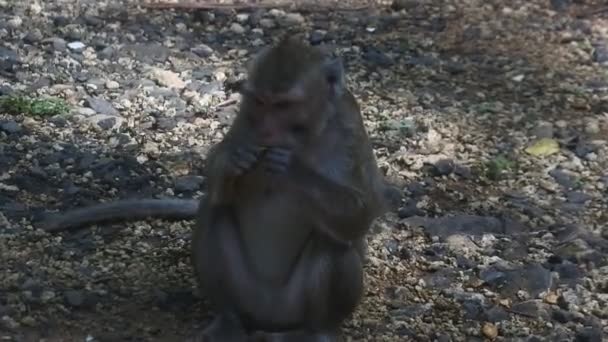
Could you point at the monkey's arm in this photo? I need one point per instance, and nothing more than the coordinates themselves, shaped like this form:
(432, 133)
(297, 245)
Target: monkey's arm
(121, 210)
(345, 212)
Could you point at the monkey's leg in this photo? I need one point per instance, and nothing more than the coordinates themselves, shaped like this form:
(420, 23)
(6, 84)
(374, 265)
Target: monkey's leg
(295, 336)
(223, 273)
(326, 285)
(223, 328)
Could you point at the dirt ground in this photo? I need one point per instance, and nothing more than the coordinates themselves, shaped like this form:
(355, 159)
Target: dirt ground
(490, 116)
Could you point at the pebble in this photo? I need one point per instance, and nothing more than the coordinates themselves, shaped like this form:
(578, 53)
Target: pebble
(237, 28)
(15, 22)
(101, 106)
(267, 23)
(489, 330)
(112, 85)
(106, 121)
(543, 130)
(74, 298)
(293, 19)
(10, 126)
(76, 46)
(167, 78)
(203, 50)
(600, 53)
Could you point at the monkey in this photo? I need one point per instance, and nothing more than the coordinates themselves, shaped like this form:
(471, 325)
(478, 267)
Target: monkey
(279, 238)
(279, 241)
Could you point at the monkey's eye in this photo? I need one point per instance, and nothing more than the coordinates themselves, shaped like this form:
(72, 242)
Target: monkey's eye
(282, 105)
(299, 128)
(258, 101)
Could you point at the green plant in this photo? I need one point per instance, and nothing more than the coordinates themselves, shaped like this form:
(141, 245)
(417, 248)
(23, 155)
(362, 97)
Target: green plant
(47, 106)
(496, 167)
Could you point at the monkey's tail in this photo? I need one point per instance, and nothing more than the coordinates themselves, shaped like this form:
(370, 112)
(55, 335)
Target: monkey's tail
(121, 210)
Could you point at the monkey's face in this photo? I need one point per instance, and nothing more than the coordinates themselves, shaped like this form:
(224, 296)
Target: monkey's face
(284, 119)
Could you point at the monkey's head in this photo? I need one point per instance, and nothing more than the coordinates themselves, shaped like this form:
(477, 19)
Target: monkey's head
(291, 93)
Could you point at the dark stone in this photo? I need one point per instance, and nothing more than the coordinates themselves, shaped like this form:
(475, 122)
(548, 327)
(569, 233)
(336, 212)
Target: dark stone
(377, 58)
(589, 334)
(600, 53)
(409, 210)
(10, 127)
(32, 37)
(532, 278)
(101, 106)
(316, 37)
(561, 5)
(416, 189)
(564, 179)
(466, 224)
(74, 298)
(533, 308)
(578, 197)
(5, 90)
(188, 183)
(61, 21)
(443, 167)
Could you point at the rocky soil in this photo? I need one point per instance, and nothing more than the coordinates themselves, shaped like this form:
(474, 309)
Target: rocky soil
(493, 120)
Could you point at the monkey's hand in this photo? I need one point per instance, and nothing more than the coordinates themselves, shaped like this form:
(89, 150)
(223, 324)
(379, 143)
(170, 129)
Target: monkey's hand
(243, 158)
(276, 160)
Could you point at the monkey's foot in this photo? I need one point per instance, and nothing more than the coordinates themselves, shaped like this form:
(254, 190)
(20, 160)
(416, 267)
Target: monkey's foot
(295, 336)
(224, 328)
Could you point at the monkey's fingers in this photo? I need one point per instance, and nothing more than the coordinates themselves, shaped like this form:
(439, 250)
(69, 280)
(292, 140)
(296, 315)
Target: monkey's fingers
(244, 158)
(276, 160)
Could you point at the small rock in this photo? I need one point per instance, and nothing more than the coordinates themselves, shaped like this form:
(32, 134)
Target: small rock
(461, 243)
(101, 106)
(444, 167)
(10, 127)
(398, 5)
(497, 314)
(15, 22)
(561, 5)
(316, 37)
(5, 90)
(112, 84)
(592, 126)
(58, 44)
(293, 19)
(105, 121)
(74, 298)
(551, 298)
(489, 330)
(84, 111)
(543, 130)
(237, 28)
(589, 334)
(188, 183)
(267, 23)
(61, 21)
(203, 50)
(532, 308)
(410, 210)
(378, 58)
(167, 78)
(106, 53)
(578, 197)
(32, 37)
(76, 46)
(563, 178)
(600, 53)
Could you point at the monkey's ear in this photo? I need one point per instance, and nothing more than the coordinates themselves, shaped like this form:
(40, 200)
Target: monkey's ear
(333, 69)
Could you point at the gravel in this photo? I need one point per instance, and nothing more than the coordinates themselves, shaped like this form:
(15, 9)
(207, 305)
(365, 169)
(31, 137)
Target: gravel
(489, 242)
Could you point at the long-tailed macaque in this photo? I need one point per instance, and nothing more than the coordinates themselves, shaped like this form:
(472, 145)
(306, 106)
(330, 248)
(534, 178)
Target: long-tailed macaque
(279, 240)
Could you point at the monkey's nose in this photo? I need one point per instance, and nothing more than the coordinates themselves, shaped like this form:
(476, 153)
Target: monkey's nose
(269, 139)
